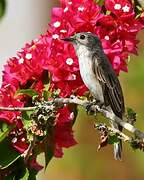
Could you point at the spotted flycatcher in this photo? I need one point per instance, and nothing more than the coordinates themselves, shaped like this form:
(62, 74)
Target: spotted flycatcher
(99, 77)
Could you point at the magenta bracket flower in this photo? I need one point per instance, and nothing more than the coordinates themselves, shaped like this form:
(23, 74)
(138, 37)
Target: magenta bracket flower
(47, 68)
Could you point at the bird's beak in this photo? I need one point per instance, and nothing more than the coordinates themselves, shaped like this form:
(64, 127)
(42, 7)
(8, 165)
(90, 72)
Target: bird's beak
(70, 39)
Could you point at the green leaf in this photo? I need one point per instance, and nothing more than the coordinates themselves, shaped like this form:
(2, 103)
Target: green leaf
(100, 2)
(18, 171)
(56, 93)
(25, 174)
(46, 81)
(27, 115)
(9, 177)
(21, 172)
(137, 144)
(46, 87)
(48, 147)
(8, 154)
(134, 145)
(2, 8)
(131, 116)
(32, 174)
(29, 92)
(113, 139)
(130, 112)
(48, 154)
(27, 121)
(46, 93)
(4, 130)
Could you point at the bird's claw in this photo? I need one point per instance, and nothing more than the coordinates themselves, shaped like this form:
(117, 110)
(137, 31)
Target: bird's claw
(91, 107)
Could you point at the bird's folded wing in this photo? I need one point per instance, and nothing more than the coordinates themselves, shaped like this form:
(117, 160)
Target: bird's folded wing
(112, 91)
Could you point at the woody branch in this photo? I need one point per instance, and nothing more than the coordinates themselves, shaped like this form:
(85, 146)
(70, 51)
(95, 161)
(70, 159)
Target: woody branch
(84, 103)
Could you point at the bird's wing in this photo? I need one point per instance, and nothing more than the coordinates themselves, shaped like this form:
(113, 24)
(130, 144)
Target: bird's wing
(112, 91)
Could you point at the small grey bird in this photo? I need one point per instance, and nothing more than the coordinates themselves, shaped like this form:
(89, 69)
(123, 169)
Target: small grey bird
(99, 77)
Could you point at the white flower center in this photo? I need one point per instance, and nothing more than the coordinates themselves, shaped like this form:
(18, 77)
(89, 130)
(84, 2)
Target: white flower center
(55, 36)
(80, 9)
(69, 2)
(57, 24)
(28, 56)
(117, 6)
(18, 117)
(107, 37)
(63, 31)
(126, 8)
(74, 76)
(7, 85)
(69, 61)
(21, 60)
(23, 139)
(36, 40)
(71, 115)
(14, 140)
(65, 9)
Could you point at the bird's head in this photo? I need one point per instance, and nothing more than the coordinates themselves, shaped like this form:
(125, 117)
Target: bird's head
(87, 39)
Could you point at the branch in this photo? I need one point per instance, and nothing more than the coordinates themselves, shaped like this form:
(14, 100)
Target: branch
(110, 135)
(84, 103)
(122, 136)
(105, 129)
(106, 113)
(17, 108)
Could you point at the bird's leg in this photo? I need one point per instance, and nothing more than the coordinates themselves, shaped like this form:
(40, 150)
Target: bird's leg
(98, 103)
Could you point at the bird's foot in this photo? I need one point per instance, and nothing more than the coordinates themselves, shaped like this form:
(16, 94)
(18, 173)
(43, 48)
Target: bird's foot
(91, 106)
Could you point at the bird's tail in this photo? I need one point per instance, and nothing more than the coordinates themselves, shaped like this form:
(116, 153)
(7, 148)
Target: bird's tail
(118, 150)
(117, 145)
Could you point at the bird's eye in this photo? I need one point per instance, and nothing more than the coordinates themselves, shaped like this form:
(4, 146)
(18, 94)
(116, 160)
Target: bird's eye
(82, 36)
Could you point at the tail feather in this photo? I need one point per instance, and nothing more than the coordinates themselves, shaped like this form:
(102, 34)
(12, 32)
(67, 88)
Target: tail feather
(118, 145)
(118, 150)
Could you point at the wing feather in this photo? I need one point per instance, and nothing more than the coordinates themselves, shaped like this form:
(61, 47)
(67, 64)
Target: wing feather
(112, 90)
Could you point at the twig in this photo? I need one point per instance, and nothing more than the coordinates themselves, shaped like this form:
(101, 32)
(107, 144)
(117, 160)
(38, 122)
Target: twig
(123, 136)
(106, 113)
(84, 103)
(17, 108)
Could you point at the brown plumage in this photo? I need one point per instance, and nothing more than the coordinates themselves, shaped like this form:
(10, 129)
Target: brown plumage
(112, 91)
(99, 77)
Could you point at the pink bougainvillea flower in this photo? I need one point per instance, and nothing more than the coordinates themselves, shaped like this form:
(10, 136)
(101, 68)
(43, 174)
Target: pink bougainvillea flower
(63, 134)
(115, 24)
(118, 38)
(123, 8)
(63, 138)
(7, 99)
(34, 164)
(20, 143)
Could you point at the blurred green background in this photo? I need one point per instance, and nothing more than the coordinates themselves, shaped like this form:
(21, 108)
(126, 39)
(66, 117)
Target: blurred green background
(83, 162)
